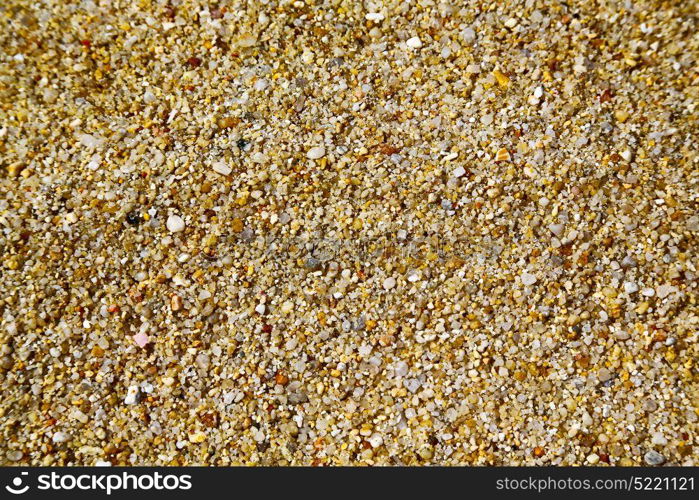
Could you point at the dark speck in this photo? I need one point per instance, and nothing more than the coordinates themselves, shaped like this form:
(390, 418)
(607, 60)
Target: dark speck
(133, 218)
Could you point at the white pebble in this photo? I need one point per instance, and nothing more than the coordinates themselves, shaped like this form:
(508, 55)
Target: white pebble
(664, 290)
(389, 283)
(458, 172)
(375, 440)
(60, 437)
(556, 229)
(413, 276)
(528, 279)
(90, 141)
(630, 287)
(401, 368)
(260, 84)
(259, 157)
(260, 308)
(133, 394)
(175, 224)
(316, 152)
(414, 42)
(659, 439)
(468, 35)
(221, 167)
(307, 57)
(412, 385)
(374, 16)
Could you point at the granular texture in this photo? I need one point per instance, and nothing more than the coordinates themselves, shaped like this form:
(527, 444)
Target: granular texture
(340, 233)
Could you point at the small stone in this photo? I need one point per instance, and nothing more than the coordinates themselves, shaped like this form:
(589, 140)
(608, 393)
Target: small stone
(654, 458)
(469, 35)
(133, 394)
(259, 157)
(389, 283)
(622, 335)
(60, 437)
(528, 279)
(556, 229)
(628, 262)
(592, 458)
(133, 218)
(412, 385)
(316, 152)
(247, 40)
(374, 16)
(297, 397)
(260, 308)
(237, 225)
(375, 440)
(287, 307)
(604, 375)
(414, 42)
(659, 439)
(401, 368)
(502, 79)
(175, 224)
(221, 167)
(621, 115)
(197, 437)
(90, 141)
(281, 379)
(141, 339)
(313, 264)
(502, 155)
(458, 172)
(650, 406)
(176, 303)
(630, 287)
